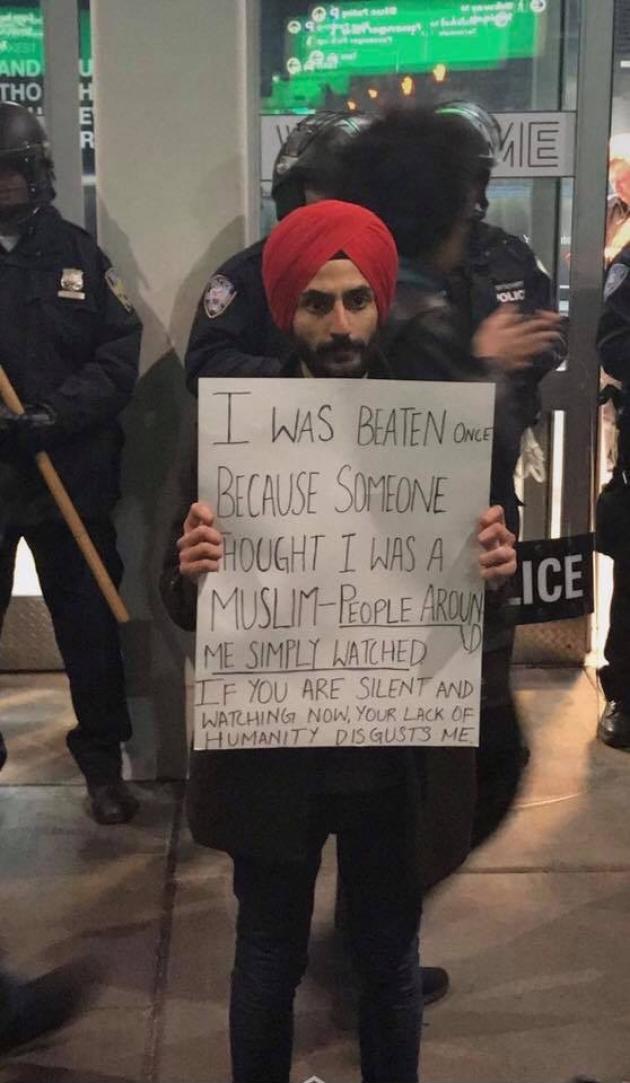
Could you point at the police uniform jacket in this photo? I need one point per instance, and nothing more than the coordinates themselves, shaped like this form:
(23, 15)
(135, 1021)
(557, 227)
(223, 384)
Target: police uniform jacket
(613, 342)
(613, 333)
(256, 802)
(70, 340)
(501, 268)
(233, 333)
(426, 338)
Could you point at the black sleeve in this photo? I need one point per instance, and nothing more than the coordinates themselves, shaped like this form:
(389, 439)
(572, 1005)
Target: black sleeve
(613, 333)
(539, 295)
(103, 386)
(239, 339)
(429, 346)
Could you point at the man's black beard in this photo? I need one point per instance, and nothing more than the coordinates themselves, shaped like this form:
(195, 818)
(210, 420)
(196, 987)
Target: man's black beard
(329, 360)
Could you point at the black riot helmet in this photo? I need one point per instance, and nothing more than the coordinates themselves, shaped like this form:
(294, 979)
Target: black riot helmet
(24, 149)
(486, 129)
(309, 157)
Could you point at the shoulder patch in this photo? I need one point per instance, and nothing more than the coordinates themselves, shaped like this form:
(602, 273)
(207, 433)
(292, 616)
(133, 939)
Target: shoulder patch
(115, 283)
(616, 275)
(220, 293)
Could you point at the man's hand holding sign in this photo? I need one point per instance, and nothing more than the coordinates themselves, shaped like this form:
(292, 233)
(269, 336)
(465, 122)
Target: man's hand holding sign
(201, 545)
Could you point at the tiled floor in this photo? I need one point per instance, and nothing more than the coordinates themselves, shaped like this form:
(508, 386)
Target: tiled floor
(534, 931)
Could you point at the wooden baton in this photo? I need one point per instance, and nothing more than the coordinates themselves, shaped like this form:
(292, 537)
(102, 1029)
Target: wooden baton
(60, 495)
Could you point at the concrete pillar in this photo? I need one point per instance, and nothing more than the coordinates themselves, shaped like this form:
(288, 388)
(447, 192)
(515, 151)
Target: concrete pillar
(172, 119)
(61, 41)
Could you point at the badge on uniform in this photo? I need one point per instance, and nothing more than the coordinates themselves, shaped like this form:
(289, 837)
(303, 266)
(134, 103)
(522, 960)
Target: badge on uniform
(509, 293)
(115, 283)
(219, 294)
(616, 275)
(72, 284)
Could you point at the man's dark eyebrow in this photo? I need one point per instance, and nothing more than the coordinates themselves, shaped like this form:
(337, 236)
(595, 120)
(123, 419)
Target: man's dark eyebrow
(314, 295)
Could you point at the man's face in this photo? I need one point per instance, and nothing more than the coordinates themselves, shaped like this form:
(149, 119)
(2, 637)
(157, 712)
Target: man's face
(620, 178)
(336, 321)
(13, 188)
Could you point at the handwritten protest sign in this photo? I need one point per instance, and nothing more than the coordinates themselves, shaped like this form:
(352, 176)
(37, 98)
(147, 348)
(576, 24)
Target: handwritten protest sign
(348, 610)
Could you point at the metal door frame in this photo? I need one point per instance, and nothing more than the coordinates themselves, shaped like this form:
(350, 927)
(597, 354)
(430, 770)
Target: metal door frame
(574, 389)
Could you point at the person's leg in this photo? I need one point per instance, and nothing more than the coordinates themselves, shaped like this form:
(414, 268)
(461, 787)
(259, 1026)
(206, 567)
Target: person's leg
(615, 676)
(9, 999)
(435, 979)
(383, 920)
(501, 756)
(275, 906)
(88, 639)
(614, 727)
(8, 545)
(500, 766)
(32, 1008)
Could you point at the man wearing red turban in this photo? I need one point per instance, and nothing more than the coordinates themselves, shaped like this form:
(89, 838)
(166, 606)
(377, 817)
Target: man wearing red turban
(402, 816)
(308, 238)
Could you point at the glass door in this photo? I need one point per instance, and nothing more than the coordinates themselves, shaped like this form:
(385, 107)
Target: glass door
(527, 62)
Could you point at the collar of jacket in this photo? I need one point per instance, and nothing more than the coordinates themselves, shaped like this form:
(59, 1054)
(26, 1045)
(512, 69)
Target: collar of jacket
(40, 234)
(414, 272)
(379, 368)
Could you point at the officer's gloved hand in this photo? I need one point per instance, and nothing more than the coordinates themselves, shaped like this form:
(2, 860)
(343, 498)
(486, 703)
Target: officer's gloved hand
(35, 428)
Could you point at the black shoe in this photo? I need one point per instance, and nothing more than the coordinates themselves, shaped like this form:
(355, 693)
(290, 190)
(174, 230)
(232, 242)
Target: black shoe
(614, 725)
(49, 1002)
(112, 802)
(435, 984)
(3, 752)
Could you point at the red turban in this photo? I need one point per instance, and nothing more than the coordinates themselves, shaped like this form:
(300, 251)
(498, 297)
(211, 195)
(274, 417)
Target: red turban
(306, 239)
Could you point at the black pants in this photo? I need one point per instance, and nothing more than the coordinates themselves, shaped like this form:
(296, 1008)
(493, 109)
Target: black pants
(86, 633)
(615, 676)
(500, 759)
(383, 915)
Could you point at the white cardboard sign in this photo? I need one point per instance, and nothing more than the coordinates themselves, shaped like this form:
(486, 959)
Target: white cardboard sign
(348, 611)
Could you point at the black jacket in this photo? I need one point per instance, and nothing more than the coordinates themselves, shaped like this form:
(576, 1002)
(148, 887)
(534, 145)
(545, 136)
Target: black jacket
(427, 339)
(613, 332)
(235, 335)
(256, 802)
(70, 340)
(501, 268)
(613, 343)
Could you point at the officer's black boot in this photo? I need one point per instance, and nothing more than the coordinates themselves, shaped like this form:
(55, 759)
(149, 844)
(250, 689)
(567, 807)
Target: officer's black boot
(112, 802)
(614, 725)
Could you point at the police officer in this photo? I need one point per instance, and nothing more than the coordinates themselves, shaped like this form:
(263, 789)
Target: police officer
(505, 299)
(233, 333)
(404, 163)
(70, 345)
(502, 275)
(613, 513)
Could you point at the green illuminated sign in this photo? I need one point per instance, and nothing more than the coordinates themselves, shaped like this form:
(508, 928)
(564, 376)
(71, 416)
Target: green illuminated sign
(337, 41)
(22, 42)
